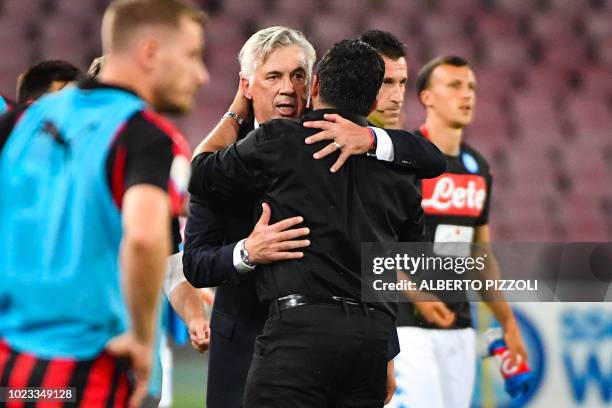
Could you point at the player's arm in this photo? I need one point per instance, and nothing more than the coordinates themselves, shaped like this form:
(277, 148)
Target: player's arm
(227, 130)
(235, 173)
(429, 306)
(207, 259)
(400, 147)
(187, 302)
(144, 249)
(209, 262)
(433, 310)
(498, 305)
(141, 185)
(239, 170)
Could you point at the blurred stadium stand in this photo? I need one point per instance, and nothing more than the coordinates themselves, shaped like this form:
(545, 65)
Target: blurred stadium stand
(544, 68)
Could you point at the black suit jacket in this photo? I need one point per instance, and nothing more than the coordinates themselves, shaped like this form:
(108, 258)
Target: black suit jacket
(237, 316)
(210, 236)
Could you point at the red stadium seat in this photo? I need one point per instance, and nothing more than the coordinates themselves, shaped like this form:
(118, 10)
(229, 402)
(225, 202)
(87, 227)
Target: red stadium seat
(328, 29)
(392, 22)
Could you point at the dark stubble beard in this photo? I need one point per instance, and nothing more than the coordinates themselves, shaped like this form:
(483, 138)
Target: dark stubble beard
(163, 104)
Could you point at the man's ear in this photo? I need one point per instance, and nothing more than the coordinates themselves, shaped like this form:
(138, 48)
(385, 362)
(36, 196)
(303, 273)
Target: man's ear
(246, 87)
(147, 54)
(314, 90)
(374, 105)
(425, 98)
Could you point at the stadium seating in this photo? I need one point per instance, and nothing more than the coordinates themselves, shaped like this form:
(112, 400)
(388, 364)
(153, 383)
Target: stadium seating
(544, 72)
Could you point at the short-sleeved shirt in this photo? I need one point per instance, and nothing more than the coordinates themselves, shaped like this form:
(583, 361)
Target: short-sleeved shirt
(90, 161)
(455, 204)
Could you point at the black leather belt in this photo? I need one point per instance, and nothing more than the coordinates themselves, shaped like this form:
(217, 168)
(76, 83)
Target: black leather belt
(287, 302)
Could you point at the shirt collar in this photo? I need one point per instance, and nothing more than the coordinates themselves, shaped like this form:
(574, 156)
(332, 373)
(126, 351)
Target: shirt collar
(91, 83)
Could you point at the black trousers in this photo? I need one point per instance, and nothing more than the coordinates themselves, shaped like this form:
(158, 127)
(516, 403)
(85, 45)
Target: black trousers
(320, 356)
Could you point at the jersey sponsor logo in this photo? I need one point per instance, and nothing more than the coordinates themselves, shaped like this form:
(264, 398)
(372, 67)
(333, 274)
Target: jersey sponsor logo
(454, 194)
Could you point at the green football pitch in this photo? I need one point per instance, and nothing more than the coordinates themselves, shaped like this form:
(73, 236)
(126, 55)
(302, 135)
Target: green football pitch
(189, 377)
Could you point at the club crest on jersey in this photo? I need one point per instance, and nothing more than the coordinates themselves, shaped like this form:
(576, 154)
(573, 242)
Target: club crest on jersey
(470, 162)
(454, 194)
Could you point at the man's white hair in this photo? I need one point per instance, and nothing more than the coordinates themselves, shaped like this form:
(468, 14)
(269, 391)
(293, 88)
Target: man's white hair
(260, 45)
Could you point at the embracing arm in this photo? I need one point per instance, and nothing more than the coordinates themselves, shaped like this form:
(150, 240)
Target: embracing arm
(207, 261)
(227, 130)
(402, 148)
(417, 153)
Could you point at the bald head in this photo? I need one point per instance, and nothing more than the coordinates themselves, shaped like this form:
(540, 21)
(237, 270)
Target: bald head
(125, 19)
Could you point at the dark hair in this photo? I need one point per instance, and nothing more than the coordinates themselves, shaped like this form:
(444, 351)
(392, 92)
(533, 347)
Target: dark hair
(126, 15)
(350, 75)
(385, 43)
(422, 80)
(37, 79)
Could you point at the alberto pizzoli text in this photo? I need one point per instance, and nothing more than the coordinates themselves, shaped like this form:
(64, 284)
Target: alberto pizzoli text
(433, 285)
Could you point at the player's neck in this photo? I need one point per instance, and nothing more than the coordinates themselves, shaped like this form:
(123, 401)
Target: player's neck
(118, 73)
(317, 103)
(447, 139)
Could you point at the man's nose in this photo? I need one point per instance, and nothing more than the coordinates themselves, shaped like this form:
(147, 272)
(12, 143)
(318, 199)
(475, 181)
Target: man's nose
(468, 93)
(287, 87)
(203, 76)
(397, 95)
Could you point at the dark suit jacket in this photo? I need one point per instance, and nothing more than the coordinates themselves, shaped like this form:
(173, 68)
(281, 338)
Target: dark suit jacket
(210, 236)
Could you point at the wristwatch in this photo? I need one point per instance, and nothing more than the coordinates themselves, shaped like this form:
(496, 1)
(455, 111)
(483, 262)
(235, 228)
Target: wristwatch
(235, 116)
(244, 255)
